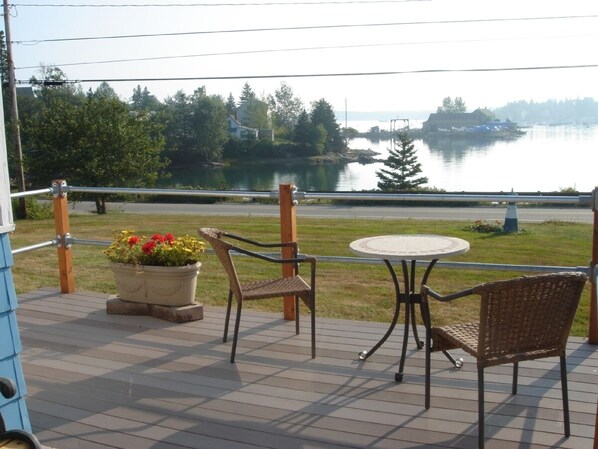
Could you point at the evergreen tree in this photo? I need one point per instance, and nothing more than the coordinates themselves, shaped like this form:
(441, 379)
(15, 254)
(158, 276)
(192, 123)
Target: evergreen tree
(402, 167)
(142, 100)
(323, 114)
(247, 94)
(308, 136)
(231, 106)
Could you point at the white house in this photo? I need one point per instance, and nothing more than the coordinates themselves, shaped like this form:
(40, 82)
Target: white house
(240, 131)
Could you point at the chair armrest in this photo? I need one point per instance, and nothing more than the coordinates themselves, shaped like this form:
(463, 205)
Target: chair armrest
(427, 291)
(263, 245)
(294, 260)
(298, 259)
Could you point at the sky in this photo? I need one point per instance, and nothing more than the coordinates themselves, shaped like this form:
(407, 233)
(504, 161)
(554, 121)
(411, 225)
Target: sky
(358, 55)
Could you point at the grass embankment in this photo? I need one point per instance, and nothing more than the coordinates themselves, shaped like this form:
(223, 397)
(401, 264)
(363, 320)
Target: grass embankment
(350, 291)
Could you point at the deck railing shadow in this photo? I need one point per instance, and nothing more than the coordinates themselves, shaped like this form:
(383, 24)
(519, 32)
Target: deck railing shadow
(502, 408)
(143, 378)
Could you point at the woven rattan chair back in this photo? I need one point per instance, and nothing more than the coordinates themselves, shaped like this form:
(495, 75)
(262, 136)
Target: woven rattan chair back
(222, 250)
(284, 286)
(521, 319)
(526, 318)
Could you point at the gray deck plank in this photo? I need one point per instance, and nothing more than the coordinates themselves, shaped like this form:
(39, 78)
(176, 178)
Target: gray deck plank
(138, 382)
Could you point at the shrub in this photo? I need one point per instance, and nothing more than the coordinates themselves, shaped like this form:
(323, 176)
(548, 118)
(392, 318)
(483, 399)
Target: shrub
(484, 226)
(35, 209)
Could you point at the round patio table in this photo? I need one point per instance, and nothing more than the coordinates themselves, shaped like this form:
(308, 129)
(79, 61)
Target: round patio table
(408, 249)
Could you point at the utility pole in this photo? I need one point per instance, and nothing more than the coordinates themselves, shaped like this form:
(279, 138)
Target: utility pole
(14, 116)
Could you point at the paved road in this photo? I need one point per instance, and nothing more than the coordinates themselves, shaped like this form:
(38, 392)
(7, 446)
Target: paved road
(497, 213)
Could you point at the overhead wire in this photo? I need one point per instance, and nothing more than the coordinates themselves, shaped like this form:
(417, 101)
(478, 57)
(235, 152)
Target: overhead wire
(296, 49)
(309, 27)
(273, 29)
(179, 5)
(321, 75)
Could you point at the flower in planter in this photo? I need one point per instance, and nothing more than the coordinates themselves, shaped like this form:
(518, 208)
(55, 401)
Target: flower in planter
(158, 250)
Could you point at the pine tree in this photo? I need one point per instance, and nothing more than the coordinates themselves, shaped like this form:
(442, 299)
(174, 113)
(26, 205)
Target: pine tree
(231, 107)
(402, 167)
(247, 94)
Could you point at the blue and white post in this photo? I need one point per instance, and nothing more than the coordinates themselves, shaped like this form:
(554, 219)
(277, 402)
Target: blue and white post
(13, 409)
(511, 221)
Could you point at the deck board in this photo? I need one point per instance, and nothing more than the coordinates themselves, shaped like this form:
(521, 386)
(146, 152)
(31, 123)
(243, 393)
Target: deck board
(97, 380)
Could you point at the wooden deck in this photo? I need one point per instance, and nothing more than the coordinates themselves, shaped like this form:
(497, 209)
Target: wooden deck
(103, 381)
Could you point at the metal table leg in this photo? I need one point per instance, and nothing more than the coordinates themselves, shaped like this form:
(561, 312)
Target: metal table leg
(363, 355)
(410, 298)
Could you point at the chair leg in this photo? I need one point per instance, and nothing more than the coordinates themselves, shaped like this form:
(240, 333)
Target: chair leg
(480, 408)
(428, 344)
(297, 315)
(236, 334)
(515, 375)
(425, 311)
(227, 317)
(313, 327)
(565, 391)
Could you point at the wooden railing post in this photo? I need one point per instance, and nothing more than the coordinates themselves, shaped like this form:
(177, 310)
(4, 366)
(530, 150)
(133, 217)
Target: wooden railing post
(61, 226)
(288, 233)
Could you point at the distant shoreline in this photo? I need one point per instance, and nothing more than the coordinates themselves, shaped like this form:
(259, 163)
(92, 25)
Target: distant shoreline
(352, 155)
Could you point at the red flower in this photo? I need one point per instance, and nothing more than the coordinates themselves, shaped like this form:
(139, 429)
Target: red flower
(158, 238)
(133, 240)
(148, 246)
(169, 237)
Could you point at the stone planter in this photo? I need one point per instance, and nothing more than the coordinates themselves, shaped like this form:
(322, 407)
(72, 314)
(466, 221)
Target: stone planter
(165, 286)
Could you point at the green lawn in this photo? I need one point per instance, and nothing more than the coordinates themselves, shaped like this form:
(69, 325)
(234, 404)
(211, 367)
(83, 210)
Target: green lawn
(351, 291)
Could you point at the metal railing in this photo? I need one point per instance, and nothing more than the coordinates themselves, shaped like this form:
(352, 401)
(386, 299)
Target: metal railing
(581, 199)
(64, 240)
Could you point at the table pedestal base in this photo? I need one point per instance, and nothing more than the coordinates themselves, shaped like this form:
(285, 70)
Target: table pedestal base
(410, 299)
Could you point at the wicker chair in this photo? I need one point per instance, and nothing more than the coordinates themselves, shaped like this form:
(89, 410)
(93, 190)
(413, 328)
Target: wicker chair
(263, 288)
(520, 319)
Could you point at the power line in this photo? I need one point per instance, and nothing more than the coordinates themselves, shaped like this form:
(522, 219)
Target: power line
(192, 5)
(322, 75)
(314, 27)
(295, 49)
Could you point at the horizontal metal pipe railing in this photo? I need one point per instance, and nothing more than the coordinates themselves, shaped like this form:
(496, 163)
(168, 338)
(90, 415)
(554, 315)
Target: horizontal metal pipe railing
(365, 260)
(546, 198)
(288, 197)
(174, 192)
(362, 196)
(449, 197)
(459, 265)
(91, 242)
(48, 190)
(42, 245)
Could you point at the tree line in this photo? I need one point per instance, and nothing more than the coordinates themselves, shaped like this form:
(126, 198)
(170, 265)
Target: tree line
(94, 138)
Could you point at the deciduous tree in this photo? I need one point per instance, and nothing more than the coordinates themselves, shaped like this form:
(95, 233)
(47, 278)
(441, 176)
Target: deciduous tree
(448, 105)
(97, 143)
(285, 109)
(196, 129)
